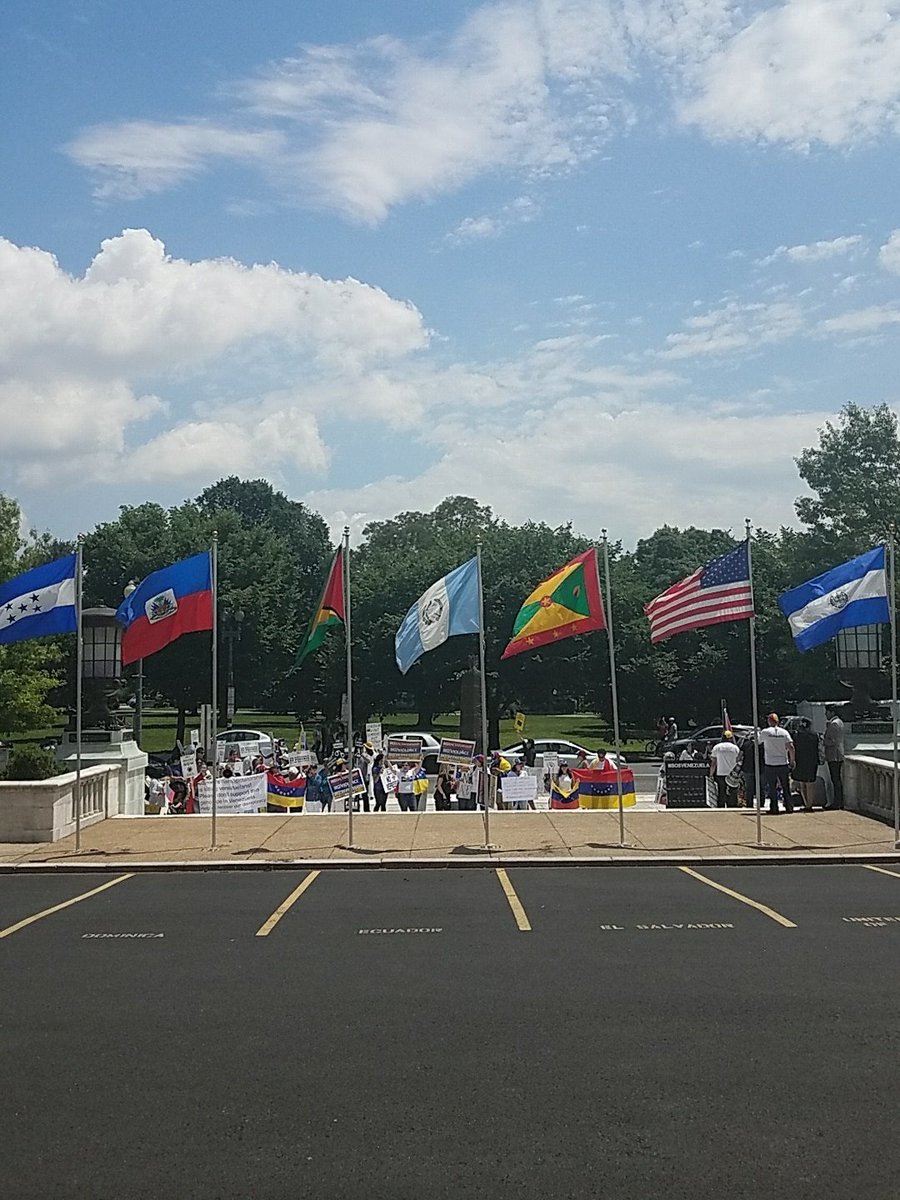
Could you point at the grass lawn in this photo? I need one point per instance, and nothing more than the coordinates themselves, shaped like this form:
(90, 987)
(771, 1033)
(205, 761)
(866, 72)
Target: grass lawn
(587, 729)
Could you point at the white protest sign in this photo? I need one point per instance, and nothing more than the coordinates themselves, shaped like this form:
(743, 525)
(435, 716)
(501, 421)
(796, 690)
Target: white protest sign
(375, 734)
(188, 765)
(195, 738)
(301, 759)
(551, 765)
(242, 794)
(519, 789)
(244, 749)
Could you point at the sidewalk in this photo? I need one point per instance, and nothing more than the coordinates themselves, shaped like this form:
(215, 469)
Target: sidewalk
(457, 838)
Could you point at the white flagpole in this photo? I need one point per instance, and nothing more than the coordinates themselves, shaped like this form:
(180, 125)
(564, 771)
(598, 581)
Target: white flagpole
(346, 582)
(79, 667)
(893, 607)
(615, 690)
(485, 791)
(754, 696)
(214, 561)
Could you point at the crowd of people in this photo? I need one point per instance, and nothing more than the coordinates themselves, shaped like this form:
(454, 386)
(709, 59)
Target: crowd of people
(785, 762)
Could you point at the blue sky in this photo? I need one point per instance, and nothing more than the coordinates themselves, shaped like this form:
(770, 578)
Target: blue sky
(601, 261)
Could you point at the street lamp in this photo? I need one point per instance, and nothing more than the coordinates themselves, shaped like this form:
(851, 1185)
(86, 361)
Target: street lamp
(101, 665)
(860, 664)
(138, 723)
(231, 633)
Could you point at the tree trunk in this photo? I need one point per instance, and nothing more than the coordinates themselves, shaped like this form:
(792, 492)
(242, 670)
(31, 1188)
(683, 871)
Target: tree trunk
(180, 725)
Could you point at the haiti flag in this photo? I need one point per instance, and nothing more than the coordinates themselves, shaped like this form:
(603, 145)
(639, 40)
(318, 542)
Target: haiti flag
(176, 600)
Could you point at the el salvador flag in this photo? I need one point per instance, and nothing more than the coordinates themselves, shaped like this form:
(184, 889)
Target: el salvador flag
(39, 603)
(855, 593)
(449, 607)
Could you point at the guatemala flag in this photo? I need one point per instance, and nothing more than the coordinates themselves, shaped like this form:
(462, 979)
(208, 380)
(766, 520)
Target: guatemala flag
(449, 607)
(39, 603)
(854, 593)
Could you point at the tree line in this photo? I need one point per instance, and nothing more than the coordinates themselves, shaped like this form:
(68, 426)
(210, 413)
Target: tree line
(274, 553)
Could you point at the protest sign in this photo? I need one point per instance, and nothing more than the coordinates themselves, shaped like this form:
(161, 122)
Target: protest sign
(403, 750)
(518, 790)
(188, 765)
(341, 785)
(195, 738)
(242, 794)
(551, 764)
(301, 759)
(244, 749)
(686, 784)
(375, 734)
(456, 752)
(520, 722)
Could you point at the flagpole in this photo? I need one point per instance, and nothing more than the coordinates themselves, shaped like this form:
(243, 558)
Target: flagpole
(484, 721)
(615, 690)
(214, 564)
(79, 667)
(893, 608)
(754, 696)
(349, 684)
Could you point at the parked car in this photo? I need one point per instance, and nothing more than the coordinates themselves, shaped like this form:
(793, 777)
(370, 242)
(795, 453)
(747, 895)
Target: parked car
(568, 751)
(430, 747)
(706, 738)
(232, 736)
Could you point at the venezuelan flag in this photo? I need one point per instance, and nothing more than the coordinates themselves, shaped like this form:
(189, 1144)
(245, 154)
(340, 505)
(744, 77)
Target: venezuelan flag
(284, 795)
(564, 797)
(599, 789)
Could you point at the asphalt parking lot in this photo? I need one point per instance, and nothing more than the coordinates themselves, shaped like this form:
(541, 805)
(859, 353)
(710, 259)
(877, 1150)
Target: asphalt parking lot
(540, 1032)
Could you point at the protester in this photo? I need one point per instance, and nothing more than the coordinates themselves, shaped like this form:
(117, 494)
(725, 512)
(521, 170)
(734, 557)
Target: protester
(379, 795)
(723, 759)
(692, 752)
(442, 790)
(834, 756)
(671, 729)
(324, 793)
(748, 769)
(806, 762)
(779, 755)
(405, 788)
(529, 752)
(564, 778)
(420, 789)
(581, 760)
(465, 799)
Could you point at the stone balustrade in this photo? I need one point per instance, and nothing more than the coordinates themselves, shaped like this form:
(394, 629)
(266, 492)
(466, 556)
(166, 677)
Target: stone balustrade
(868, 786)
(44, 810)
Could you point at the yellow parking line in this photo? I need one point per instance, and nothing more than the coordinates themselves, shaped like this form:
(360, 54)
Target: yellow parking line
(720, 887)
(881, 870)
(65, 904)
(266, 928)
(514, 902)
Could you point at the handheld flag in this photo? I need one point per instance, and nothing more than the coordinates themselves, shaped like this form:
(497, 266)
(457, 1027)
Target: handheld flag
(717, 592)
(329, 612)
(447, 609)
(171, 602)
(566, 603)
(855, 593)
(39, 603)
(600, 788)
(564, 795)
(285, 793)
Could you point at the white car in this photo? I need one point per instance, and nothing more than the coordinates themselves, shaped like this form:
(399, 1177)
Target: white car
(233, 736)
(568, 752)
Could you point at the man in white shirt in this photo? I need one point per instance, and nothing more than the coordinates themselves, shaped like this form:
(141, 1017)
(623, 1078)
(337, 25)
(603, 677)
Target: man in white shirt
(778, 749)
(723, 759)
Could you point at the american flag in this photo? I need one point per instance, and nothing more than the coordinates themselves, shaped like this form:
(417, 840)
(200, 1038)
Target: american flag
(718, 592)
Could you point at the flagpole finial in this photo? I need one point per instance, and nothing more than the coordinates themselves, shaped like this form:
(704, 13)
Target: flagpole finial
(603, 533)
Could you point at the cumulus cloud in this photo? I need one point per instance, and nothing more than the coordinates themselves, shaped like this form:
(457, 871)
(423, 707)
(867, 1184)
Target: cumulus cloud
(889, 254)
(814, 251)
(735, 326)
(520, 211)
(76, 355)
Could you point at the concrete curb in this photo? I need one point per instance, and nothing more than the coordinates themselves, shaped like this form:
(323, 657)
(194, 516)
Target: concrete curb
(467, 861)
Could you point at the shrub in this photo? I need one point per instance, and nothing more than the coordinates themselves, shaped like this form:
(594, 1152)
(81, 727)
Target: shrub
(29, 761)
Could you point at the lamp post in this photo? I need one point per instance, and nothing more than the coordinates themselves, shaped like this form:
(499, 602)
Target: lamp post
(101, 666)
(231, 633)
(138, 726)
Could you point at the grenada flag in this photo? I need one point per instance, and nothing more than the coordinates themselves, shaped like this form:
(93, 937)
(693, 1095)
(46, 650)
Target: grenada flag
(566, 603)
(330, 611)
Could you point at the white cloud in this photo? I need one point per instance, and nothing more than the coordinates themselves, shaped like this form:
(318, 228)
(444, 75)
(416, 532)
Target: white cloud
(801, 72)
(520, 211)
(863, 320)
(889, 254)
(76, 354)
(735, 326)
(815, 251)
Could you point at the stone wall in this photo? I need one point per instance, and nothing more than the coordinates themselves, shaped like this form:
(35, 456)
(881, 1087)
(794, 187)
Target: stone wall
(44, 810)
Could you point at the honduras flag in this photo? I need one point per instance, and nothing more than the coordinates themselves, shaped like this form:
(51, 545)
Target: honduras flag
(39, 603)
(854, 593)
(449, 607)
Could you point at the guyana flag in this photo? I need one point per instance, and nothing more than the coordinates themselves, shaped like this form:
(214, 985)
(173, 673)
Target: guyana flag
(330, 611)
(565, 604)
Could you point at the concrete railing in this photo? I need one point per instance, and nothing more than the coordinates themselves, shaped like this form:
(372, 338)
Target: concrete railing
(44, 810)
(868, 786)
